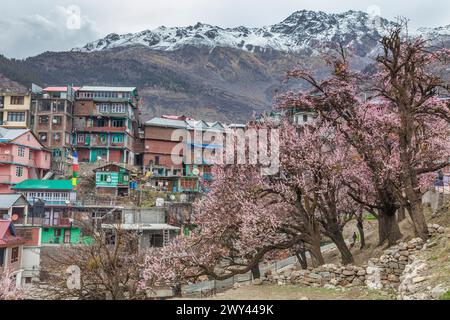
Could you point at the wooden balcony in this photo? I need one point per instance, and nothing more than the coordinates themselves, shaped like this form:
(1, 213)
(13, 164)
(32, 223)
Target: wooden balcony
(9, 158)
(102, 129)
(57, 222)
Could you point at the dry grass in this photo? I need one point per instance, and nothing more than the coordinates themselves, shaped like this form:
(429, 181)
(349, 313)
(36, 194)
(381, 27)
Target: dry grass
(300, 293)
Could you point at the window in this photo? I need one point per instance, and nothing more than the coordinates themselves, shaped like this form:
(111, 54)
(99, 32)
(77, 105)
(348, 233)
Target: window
(30, 155)
(118, 108)
(21, 152)
(14, 254)
(157, 160)
(104, 177)
(305, 118)
(19, 171)
(16, 116)
(17, 100)
(117, 138)
(56, 153)
(156, 240)
(81, 138)
(2, 256)
(57, 120)
(43, 119)
(43, 136)
(102, 108)
(57, 233)
(57, 136)
(118, 123)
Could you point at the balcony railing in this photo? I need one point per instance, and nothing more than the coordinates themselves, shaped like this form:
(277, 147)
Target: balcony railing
(57, 222)
(103, 129)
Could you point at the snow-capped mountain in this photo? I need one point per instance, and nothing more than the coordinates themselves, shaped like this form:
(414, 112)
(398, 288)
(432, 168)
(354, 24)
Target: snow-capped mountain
(303, 30)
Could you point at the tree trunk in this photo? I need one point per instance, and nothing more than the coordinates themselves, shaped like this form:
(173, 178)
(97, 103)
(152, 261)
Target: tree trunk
(388, 228)
(360, 227)
(316, 256)
(346, 255)
(418, 218)
(301, 257)
(256, 273)
(401, 214)
(177, 290)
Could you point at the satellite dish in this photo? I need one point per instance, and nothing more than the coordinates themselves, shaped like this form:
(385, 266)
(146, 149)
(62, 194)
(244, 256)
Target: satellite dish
(15, 217)
(196, 172)
(172, 197)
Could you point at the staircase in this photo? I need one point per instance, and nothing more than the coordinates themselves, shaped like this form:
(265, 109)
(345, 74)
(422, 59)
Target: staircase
(48, 176)
(166, 237)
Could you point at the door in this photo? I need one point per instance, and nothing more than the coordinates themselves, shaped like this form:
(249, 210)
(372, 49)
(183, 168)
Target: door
(67, 235)
(93, 155)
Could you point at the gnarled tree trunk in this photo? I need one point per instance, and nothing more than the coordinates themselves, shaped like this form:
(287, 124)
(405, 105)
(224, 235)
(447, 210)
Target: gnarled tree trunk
(360, 227)
(346, 255)
(388, 228)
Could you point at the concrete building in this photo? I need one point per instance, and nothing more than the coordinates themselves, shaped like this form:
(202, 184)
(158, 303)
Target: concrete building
(22, 157)
(58, 225)
(106, 124)
(113, 180)
(15, 103)
(15, 208)
(175, 151)
(151, 224)
(11, 250)
(52, 123)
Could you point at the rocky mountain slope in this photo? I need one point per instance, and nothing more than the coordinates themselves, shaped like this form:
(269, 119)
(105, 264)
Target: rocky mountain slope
(205, 71)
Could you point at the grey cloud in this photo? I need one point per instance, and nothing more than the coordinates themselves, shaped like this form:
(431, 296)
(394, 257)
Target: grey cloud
(41, 25)
(35, 33)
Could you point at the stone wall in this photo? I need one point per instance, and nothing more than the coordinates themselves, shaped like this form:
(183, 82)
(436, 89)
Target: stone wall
(385, 272)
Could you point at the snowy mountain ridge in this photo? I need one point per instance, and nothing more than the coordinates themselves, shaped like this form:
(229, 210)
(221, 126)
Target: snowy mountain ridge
(303, 31)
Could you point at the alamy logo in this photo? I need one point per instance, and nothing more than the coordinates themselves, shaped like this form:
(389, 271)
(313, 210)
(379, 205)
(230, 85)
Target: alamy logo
(211, 147)
(73, 21)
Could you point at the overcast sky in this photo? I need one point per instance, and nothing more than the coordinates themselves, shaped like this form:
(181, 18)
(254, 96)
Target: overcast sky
(30, 27)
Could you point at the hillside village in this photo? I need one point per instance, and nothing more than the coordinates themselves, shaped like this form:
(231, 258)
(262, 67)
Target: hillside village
(76, 156)
(341, 191)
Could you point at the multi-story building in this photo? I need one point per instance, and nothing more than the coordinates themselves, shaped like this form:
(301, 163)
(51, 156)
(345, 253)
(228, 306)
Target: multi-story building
(22, 157)
(15, 208)
(52, 123)
(58, 196)
(106, 124)
(15, 102)
(177, 169)
(11, 248)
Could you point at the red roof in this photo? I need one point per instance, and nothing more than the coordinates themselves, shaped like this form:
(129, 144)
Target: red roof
(183, 117)
(60, 89)
(6, 237)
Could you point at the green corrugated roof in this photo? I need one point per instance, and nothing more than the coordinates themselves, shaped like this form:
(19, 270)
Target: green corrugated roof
(44, 185)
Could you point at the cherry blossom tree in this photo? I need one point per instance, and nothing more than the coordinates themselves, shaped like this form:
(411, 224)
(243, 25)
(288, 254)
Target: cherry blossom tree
(8, 289)
(394, 121)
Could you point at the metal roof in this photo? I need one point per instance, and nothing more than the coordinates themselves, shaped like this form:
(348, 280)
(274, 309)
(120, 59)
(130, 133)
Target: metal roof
(108, 89)
(59, 89)
(11, 134)
(162, 122)
(141, 226)
(8, 200)
(44, 185)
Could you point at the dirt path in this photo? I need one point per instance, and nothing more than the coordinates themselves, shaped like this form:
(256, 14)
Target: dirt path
(300, 293)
